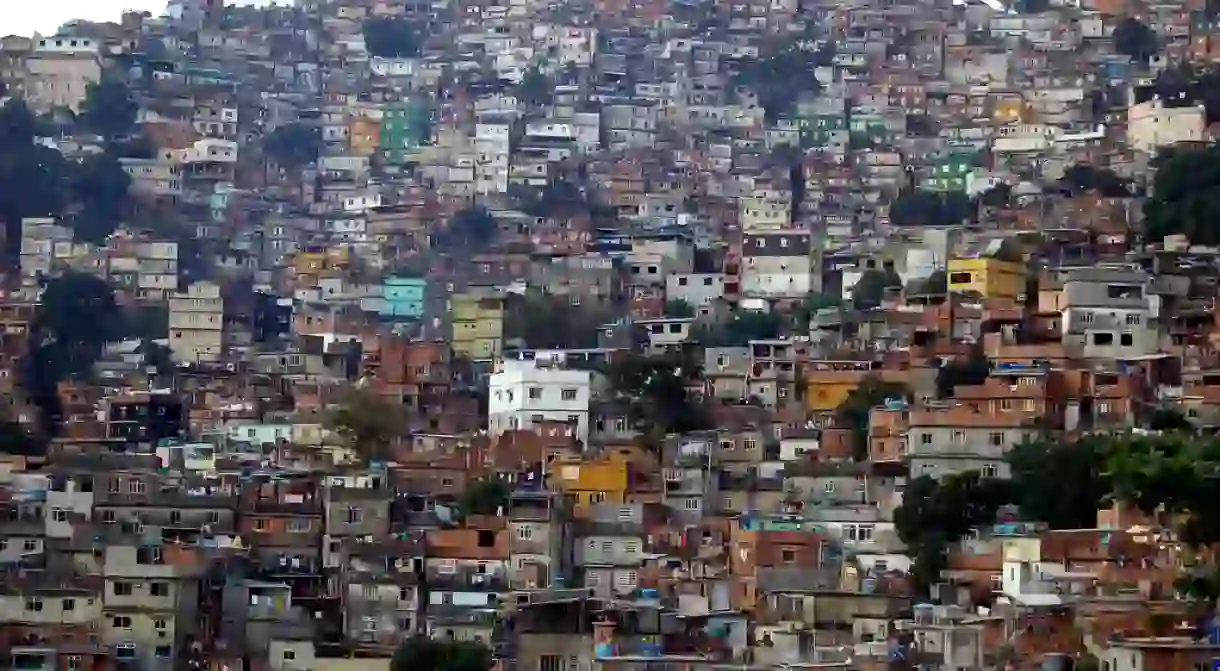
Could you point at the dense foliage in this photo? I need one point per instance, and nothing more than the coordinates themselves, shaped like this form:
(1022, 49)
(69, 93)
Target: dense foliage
(294, 145)
(1186, 191)
(856, 408)
(391, 37)
(1173, 475)
(426, 654)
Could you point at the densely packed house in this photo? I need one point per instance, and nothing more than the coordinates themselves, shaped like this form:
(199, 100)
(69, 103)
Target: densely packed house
(611, 336)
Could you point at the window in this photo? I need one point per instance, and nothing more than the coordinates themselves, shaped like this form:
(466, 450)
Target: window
(959, 278)
(690, 504)
(149, 555)
(159, 589)
(787, 556)
(925, 439)
(122, 588)
(298, 525)
(996, 438)
(160, 623)
(1086, 318)
(959, 437)
(33, 605)
(535, 393)
(30, 545)
(354, 515)
(164, 651)
(568, 394)
(59, 514)
(751, 444)
(550, 663)
(135, 487)
(1103, 339)
(1126, 339)
(1133, 320)
(289, 655)
(990, 471)
(597, 497)
(525, 533)
(121, 622)
(829, 487)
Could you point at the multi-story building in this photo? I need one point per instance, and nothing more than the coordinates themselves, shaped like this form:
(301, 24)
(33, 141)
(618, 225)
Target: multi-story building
(523, 394)
(197, 324)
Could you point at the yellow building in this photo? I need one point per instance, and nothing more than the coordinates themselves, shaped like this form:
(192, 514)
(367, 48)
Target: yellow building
(364, 136)
(478, 326)
(827, 389)
(987, 277)
(829, 383)
(590, 482)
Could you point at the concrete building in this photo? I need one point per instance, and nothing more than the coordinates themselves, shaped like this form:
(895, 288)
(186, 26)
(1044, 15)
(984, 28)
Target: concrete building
(1151, 125)
(524, 394)
(196, 324)
(60, 70)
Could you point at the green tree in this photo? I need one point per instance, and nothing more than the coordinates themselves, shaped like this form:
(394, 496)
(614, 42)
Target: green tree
(935, 284)
(856, 408)
(368, 423)
(656, 389)
(474, 228)
(745, 325)
(551, 321)
(1186, 190)
(678, 308)
(391, 37)
(782, 78)
(14, 439)
(971, 370)
(871, 288)
(1135, 39)
(110, 110)
(425, 654)
(99, 187)
(32, 177)
(935, 514)
(535, 88)
(66, 349)
(1080, 485)
(1082, 178)
(930, 208)
(486, 496)
(293, 145)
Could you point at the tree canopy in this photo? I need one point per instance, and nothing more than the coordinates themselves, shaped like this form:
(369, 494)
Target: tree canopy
(855, 410)
(293, 145)
(781, 79)
(474, 228)
(551, 321)
(1082, 177)
(391, 37)
(920, 207)
(99, 187)
(76, 317)
(110, 110)
(32, 176)
(1186, 191)
(656, 389)
(935, 514)
(870, 289)
(486, 496)
(744, 326)
(368, 423)
(1135, 39)
(425, 654)
(535, 88)
(1173, 475)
